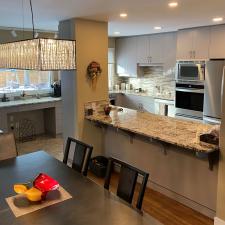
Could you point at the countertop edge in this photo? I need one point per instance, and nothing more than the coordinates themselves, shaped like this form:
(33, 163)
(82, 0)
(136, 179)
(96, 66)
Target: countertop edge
(153, 137)
(28, 102)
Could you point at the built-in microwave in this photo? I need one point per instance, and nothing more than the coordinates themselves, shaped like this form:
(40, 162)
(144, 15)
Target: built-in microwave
(190, 71)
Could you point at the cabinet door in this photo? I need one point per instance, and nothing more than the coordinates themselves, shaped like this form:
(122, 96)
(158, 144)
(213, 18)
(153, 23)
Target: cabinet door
(126, 51)
(201, 43)
(121, 60)
(131, 56)
(217, 43)
(143, 49)
(156, 48)
(169, 52)
(184, 45)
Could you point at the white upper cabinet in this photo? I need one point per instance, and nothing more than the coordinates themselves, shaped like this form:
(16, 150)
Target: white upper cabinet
(169, 51)
(201, 39)
(184, 44)
(193, 44)
(126, 52)
(121, 56)
(217, 43)
(143, 48)
(150, 49)
(159, 49)
(156, 48)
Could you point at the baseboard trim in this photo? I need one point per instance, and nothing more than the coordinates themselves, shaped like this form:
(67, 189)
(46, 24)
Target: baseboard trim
(183, 200)
(218, 221)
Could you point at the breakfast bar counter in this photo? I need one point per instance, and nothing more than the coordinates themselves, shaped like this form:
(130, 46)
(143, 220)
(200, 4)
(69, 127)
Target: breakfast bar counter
(169, 149)
(182, 133)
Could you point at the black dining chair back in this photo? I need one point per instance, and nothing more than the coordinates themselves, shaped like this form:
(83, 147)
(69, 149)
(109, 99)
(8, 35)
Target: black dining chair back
(81, 156)
(127, 181)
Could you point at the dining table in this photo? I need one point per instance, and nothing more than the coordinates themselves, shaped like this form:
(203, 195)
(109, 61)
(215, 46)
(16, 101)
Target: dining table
(90, 203)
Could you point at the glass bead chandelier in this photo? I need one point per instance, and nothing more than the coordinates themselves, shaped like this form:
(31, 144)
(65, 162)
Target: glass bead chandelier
(38, 53)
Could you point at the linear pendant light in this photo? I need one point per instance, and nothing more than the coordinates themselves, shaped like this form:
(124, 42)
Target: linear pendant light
(38, 53)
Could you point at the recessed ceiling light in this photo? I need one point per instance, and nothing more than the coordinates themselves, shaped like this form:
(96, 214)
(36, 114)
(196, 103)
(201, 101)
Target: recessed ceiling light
(217, 19)
(116, 32)
(157, 28)
(123, 15)
(173, 4)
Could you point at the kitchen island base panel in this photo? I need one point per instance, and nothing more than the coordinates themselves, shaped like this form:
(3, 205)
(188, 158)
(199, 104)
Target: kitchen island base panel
(176, 174)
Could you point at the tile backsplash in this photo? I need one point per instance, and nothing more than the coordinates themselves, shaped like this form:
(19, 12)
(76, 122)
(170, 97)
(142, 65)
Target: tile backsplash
(152, 80)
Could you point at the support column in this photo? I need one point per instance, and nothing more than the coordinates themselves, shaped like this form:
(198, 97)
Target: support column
(91, 45)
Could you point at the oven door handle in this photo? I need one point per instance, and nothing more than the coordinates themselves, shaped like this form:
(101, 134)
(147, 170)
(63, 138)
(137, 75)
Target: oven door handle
(191, 90)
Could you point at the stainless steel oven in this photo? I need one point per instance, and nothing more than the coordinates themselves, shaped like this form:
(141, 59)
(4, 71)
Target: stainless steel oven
(190, 71)
(189, 100)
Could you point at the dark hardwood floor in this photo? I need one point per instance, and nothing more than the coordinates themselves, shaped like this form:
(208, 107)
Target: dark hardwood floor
(164, 209)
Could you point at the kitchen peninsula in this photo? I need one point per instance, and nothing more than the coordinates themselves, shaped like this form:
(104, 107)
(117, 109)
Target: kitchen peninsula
(168, 149)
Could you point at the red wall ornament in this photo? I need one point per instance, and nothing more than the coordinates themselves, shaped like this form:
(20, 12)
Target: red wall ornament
(93, 70)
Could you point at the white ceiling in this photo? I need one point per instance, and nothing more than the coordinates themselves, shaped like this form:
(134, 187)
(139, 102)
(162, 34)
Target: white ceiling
(143, 15)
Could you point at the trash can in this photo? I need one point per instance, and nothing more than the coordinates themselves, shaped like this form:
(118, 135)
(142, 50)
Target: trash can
(98, 165)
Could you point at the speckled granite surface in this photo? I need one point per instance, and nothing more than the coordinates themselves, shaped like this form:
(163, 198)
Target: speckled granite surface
(178, 132)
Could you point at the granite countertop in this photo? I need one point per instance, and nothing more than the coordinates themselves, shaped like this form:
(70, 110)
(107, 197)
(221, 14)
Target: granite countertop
(182, 133)
(29, 101)
(144, 94)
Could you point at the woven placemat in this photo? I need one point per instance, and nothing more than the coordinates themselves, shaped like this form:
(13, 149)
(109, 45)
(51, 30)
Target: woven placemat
(21, 206)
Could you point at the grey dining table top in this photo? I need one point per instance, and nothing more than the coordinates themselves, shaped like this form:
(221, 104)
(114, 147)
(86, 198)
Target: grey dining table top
(90, 204)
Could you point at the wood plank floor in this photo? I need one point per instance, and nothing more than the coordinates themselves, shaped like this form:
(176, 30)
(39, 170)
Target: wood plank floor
(162, 208)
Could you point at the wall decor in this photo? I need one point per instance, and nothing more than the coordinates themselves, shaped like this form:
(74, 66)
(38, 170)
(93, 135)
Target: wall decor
(93, 70)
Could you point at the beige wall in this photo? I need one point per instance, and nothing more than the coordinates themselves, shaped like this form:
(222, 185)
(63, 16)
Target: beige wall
(91, 45)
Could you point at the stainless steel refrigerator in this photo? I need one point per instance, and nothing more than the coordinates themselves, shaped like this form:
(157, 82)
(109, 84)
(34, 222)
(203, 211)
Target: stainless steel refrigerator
(214, 82)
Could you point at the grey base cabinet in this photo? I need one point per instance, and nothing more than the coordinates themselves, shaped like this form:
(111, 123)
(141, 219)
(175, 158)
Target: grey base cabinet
(146, 104)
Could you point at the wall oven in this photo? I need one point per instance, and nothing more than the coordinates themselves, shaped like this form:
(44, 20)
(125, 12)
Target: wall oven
(189, 100)
(190, 71)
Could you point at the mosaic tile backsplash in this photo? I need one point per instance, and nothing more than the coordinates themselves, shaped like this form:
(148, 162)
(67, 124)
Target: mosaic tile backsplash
(153, 80)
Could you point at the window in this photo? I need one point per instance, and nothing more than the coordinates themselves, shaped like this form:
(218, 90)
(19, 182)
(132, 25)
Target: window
(27, 80)
(111, 67)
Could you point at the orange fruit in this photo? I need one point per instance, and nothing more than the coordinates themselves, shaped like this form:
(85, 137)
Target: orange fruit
(20, 188)
(33, 194)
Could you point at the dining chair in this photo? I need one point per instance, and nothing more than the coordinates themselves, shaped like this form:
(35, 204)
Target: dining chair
(81, 156)
(7, 146)
(127, 181)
